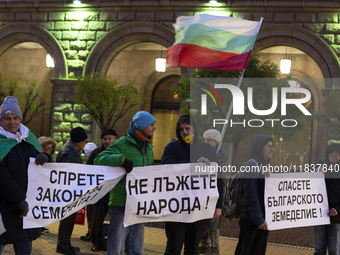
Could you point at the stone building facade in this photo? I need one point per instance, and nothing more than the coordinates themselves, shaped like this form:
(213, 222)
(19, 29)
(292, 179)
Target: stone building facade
(99, 34)
(89, 37)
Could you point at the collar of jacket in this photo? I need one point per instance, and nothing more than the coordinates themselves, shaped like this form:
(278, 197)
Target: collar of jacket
(132, 140)
(9, 140)
(73, 147)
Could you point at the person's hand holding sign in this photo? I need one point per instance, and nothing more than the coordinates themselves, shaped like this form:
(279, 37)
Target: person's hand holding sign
(218, 211)
(332, 212)
(203, 160)
(128, 165)
(263, 226)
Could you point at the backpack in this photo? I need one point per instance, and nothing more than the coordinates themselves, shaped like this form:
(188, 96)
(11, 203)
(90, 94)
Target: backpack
(233, 195)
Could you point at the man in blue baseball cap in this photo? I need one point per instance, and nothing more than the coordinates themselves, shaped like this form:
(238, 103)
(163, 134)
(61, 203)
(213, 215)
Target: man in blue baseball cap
(131, 150)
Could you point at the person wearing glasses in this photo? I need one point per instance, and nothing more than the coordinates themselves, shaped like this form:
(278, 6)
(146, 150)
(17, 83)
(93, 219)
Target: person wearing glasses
(253, 227)
(70, 153)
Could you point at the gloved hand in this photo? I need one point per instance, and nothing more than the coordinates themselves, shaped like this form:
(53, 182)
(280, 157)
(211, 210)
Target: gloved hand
(23, 206)
(41, 158)
(128, 165)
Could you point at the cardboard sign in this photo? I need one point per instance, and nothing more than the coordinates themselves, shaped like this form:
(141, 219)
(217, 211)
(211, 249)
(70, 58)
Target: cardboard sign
(296, 200)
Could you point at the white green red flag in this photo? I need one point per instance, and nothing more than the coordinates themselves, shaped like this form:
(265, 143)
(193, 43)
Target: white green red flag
(206, 41)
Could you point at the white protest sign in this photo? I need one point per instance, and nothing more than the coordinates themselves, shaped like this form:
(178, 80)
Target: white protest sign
(170, 193)
(296, 200)
(57, 190)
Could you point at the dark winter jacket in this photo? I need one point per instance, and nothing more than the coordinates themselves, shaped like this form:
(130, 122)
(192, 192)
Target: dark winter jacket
(90, 161)
(332, 179)
(69, 154)
(13, 188)
(94, 153)
(179, 152)
(222, 158)
(253, 209)
(333, 194)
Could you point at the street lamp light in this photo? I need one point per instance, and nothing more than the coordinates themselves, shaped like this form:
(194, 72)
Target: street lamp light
(213, 3)
(77, 3)
(285, 64)
(49, 61)
(160, 64)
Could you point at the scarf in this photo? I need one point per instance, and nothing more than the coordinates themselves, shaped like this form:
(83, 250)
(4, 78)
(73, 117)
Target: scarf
(8, 140)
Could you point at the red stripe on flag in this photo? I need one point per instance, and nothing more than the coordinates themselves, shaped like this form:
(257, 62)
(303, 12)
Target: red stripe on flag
(194, 56)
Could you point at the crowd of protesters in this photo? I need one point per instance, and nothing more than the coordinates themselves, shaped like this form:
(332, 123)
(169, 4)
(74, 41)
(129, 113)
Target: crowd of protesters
(134, 149)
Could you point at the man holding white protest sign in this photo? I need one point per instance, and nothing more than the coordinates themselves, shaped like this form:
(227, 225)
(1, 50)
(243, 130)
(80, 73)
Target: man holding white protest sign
(100, 208)
(188, 149)
(18, 144)
(70, 153)
(131, 150)
(328, 236)
(253, 227)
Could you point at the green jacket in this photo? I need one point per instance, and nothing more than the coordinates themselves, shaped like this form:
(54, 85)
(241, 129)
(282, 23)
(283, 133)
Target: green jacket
(115, 154)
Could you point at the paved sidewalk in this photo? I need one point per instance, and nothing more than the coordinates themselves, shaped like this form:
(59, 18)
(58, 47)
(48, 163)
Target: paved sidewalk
(155, 241)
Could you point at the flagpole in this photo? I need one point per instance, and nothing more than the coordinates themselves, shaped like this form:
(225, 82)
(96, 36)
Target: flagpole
(231, 104)
(229, 113)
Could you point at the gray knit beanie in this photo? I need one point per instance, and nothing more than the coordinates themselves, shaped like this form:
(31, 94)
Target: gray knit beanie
(10, 106)
(212, 134)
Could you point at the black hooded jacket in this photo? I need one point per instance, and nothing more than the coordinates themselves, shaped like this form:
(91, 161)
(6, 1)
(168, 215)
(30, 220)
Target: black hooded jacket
(179, 152)
(332, 180)
(253, 209)
(13, 186)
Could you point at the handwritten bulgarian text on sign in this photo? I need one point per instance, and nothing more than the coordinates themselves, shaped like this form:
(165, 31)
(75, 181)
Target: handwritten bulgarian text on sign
(296, 200)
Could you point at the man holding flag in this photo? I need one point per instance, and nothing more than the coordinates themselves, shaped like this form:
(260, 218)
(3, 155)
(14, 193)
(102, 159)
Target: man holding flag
(210, 42)
(213, 42)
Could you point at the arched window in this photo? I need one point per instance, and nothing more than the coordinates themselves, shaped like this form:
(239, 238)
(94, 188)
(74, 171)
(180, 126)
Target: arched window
(305, 73)
(165, 107)
(296, 150)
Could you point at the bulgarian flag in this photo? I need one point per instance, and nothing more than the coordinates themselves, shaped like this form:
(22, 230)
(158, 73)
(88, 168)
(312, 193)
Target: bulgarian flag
(205, 41)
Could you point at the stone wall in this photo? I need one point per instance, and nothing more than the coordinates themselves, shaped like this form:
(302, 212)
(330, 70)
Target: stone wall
(78, 31)
(67, 115)
(85, 36)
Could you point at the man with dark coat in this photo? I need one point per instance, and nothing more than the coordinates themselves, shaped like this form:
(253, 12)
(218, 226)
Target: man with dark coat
(328, 236)
(70, 153)
(253, 227)
(17, 145)
(99, 209)
(210, 240)
(188, 149)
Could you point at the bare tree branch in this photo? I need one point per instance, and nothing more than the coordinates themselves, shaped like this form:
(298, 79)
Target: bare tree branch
(105, 100)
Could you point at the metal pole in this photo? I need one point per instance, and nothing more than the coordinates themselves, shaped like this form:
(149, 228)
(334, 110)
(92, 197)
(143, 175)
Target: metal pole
(229, 113)
(231, 104)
